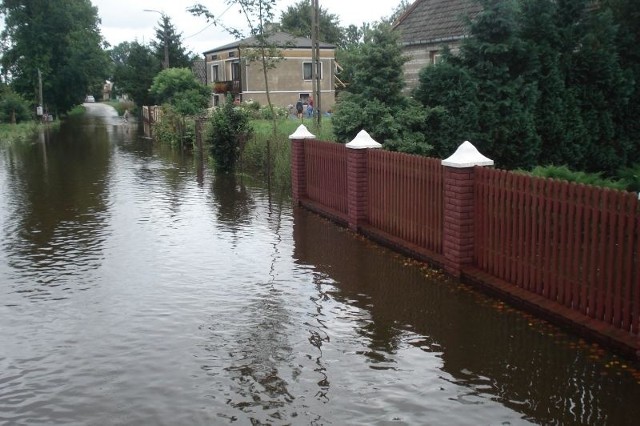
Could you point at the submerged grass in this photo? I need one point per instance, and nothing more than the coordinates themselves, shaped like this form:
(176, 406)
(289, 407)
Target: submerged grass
(16, 133)
(277, 163)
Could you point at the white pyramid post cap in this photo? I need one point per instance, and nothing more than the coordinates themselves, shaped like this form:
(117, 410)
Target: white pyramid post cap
(465, 156)
(363, 141)
(302, 133)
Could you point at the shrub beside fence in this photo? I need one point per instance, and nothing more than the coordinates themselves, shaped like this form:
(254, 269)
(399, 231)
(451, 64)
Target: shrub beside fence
(566, 251)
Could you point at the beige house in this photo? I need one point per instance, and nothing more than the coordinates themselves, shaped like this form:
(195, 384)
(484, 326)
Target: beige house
(427, 27)
(230, 70)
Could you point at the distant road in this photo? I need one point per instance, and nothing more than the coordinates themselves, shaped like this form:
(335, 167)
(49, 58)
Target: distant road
(98, 109)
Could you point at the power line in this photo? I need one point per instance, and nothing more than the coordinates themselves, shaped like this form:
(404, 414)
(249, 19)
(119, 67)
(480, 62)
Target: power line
(214, 22)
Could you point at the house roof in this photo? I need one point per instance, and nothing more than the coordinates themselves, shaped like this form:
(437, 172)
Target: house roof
(430, 21)
(280, 39)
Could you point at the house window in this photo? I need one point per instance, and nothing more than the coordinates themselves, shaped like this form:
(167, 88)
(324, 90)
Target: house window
(235, 71)
(434, 57)
(232, 54)
(214, 57)
(214, 74)
(307, 71)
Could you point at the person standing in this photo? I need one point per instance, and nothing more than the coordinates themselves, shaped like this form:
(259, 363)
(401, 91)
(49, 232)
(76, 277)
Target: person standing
(310, 107)
(299, 107)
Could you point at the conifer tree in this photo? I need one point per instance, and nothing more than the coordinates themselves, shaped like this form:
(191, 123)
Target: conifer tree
(177, 52)
(499, 64)
(557, 118)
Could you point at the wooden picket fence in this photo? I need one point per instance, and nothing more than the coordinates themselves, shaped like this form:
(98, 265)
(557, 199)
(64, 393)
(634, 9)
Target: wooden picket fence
(573, 244)
(570, 252)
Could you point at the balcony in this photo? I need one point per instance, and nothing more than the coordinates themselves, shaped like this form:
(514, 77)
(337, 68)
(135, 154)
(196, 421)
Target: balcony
(231, 86)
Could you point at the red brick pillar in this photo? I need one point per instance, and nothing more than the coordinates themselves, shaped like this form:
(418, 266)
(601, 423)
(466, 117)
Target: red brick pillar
(298, 167)
(358, 179)
(459, 207)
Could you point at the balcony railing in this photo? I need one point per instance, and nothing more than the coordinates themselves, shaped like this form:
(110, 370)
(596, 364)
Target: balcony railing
(230, 86)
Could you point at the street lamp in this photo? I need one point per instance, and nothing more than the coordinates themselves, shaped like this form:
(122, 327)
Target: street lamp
(165, 64)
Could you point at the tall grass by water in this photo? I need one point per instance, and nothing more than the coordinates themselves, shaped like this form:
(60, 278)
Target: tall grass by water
(254, 156)
(22, 132)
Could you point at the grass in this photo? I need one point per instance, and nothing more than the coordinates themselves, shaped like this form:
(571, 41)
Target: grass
(254, 156)
(121, 106)
(289, 126)
(16, 133)
(76, 111)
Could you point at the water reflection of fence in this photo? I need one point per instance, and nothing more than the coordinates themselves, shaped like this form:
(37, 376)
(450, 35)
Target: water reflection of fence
(568, 252)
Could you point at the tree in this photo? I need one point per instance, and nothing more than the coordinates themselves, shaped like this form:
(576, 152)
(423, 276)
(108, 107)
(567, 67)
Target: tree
(449, 94)
(135, 68)
(13, 107)
(399, 10)
(259, 15)
(296, 20)
(374, 100)
(177, 53)
(627, 17)
(180, 88)
(62, 40)
(499, 63)
(557, 117)
(377, 67)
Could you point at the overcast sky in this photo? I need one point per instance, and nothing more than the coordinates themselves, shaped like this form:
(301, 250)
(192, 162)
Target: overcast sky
(126, 20)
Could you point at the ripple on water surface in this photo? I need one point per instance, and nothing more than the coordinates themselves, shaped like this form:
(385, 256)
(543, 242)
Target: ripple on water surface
(207, 301)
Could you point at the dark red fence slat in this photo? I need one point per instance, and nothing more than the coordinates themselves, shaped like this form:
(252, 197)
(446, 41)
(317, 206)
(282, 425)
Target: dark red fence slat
(573, 244)
(405, 197)
(326, 171)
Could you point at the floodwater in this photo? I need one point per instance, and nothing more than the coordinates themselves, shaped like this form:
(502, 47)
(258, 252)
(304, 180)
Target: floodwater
(137, 287)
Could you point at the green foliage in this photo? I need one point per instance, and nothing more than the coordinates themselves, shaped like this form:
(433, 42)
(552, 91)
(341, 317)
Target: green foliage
(14, 107)
(449, 94)
(62, 40)
(177, 52)
(77, 111)
(174, 129)
(18, 133)
(180, 88)
(627, 17)
(374, 100)
(630, 176)
(541, 82)
(378, 65)
(296, 20)
(354, 112)
(557, 118)
(411, 138)
(498, 62)
(227, 131)
(564, 173)
(259, 16)
(135, 68)
(275, 112)
(122, 106)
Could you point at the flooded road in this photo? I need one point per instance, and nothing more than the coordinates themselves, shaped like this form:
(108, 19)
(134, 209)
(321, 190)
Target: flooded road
(137, 287)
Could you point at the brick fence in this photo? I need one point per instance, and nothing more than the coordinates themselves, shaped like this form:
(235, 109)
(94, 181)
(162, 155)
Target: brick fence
(574, 260)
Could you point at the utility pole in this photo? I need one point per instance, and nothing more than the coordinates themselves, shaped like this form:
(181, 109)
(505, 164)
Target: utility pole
(315, 59)
(165, 36)
(39, 110)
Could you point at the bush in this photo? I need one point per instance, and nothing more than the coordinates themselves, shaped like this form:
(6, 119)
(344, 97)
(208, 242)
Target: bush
(227, 131)
(630, 176)
(279, 112)
(15, 106)
(355, 113)
(563, 173)
(174, 129)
